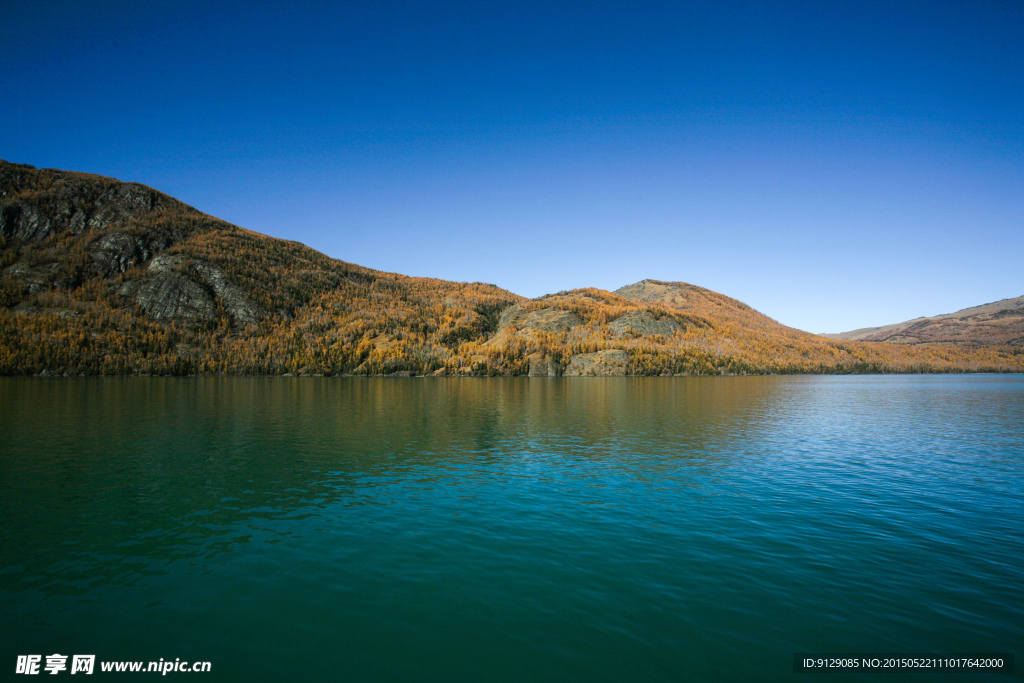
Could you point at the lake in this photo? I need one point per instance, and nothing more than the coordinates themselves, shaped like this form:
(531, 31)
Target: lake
(431, 529)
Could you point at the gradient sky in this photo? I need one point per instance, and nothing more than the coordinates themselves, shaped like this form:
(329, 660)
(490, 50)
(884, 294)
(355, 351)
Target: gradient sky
(834, 165)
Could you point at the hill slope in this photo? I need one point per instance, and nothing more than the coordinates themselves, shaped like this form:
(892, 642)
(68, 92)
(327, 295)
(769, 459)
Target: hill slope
(1000, 322)
(104, 277)
(101, 276)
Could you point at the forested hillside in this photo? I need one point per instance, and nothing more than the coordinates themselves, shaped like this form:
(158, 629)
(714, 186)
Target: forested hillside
(105, 277)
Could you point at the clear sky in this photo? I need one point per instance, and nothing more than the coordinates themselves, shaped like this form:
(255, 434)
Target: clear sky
(835, 165)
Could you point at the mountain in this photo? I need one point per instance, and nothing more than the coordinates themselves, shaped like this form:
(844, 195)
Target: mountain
(997, 323)
(699, 301)
(105, 277)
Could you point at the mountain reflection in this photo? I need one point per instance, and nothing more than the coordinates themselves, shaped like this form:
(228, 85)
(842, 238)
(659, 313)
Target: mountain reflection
(110, 480)
(596, 528)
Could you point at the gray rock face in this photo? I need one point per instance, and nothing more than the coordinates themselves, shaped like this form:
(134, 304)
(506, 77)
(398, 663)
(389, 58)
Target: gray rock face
(610, 362)
(238, 306)
(35, 279)
(74, 208)
(102, 212)
(643, 324)
(165, 264)
(168, 296)
(168, 293)
(117, 252)
(24, 221)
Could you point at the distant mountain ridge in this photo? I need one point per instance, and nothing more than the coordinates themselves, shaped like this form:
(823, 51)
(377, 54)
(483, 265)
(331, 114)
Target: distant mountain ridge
(98, 276)
(996, 323)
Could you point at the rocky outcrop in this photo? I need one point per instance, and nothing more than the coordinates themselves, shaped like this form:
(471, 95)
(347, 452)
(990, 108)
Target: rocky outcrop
(68, 205)
(34, 279)
(118, 252)
(517, 320)
(643, 324)
(75, 226)
(169, 296)
(540, 320)
(610, 362)
(237, 305)
(23, 221)
(170, 291)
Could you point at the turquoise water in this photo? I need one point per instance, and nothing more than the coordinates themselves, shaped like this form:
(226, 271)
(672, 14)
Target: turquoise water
(538, 529)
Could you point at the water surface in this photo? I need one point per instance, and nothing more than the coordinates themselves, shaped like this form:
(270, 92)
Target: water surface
(510, 528)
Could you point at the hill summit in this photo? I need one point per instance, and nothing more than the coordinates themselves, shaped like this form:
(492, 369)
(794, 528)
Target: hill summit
(105, 277)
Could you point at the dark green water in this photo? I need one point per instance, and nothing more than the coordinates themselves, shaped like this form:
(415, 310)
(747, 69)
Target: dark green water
(305, 529)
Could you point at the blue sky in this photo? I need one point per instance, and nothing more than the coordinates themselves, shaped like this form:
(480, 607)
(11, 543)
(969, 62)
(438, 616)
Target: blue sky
(834, 165)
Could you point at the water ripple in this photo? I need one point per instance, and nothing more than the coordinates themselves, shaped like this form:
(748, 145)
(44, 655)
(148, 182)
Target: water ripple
(664, 529)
